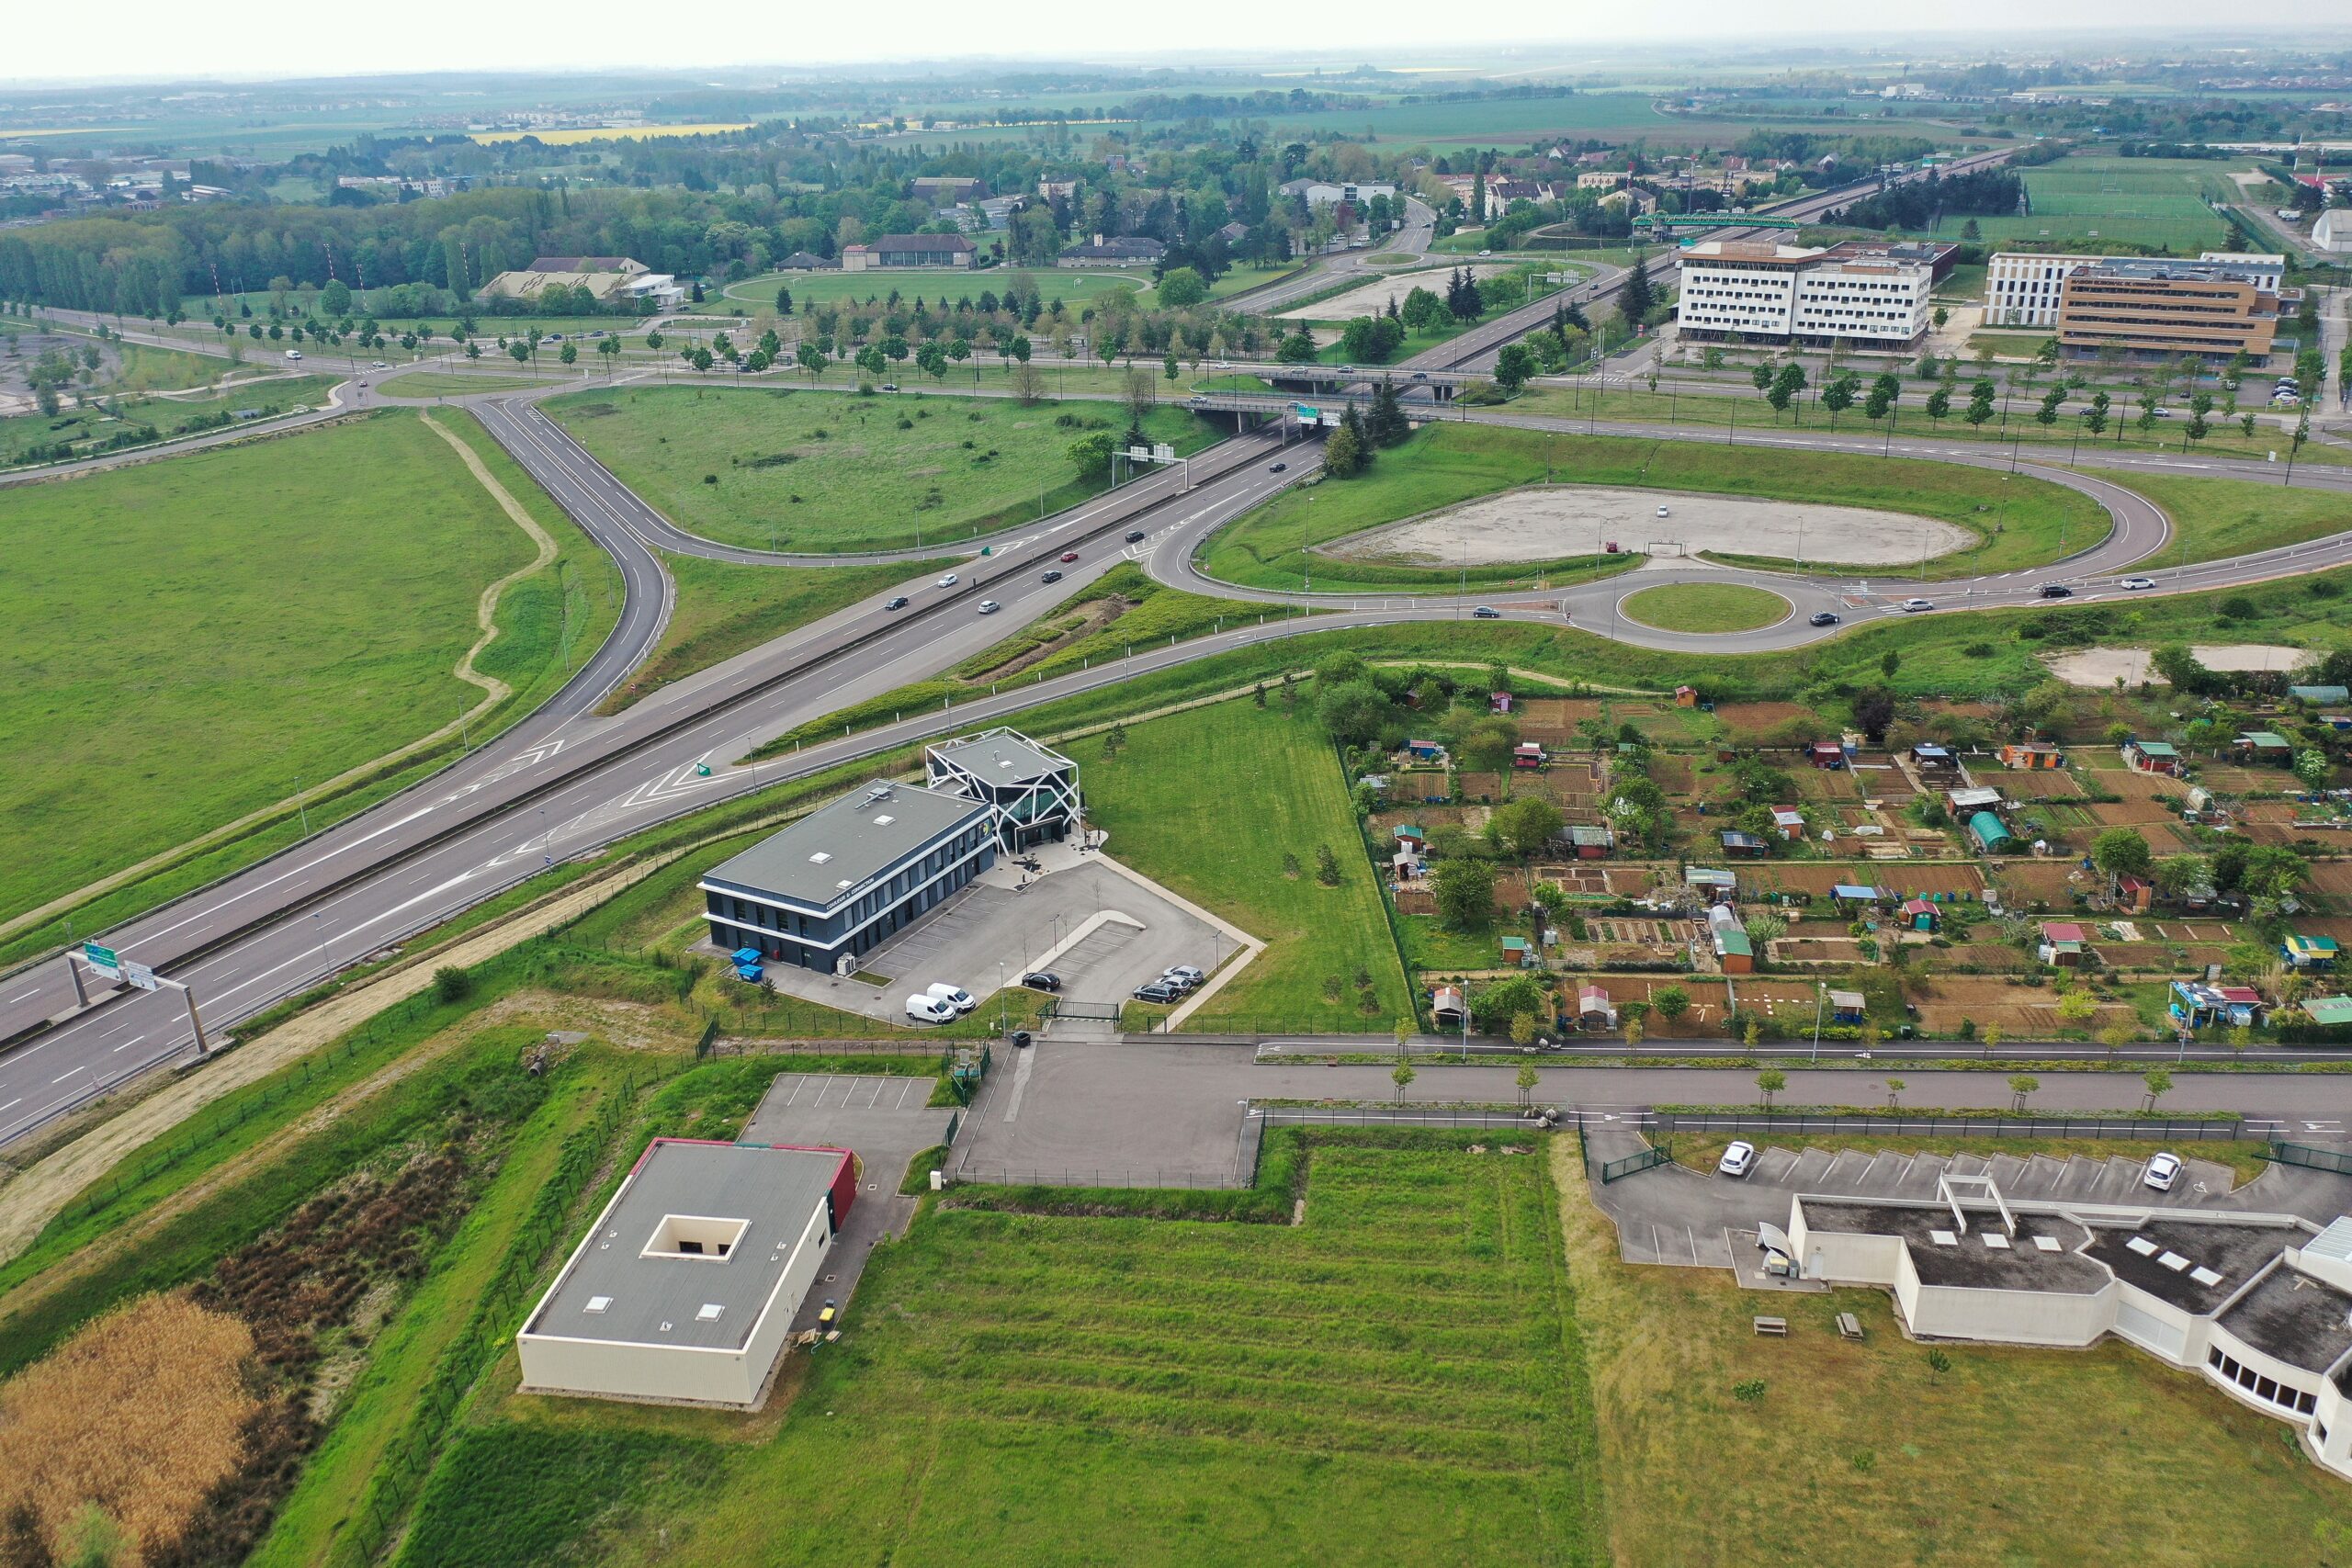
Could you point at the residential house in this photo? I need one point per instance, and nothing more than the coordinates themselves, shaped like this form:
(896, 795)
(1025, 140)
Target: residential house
(1119, 251)
(1519, 950)
(2312, 954)
(2063, 944)
(2153, 757)
(1789, 822)
(1447, 1010)
(946, 190)
(2033, 754)
(1234, 234)
(807, 261)
(1409, 835)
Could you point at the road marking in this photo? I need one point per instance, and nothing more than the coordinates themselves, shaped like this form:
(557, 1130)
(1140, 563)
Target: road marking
(63, 1075)
(34, 992)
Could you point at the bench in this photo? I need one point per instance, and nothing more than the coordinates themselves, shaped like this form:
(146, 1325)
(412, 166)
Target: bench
(1848, 1326)
(1778, 1326)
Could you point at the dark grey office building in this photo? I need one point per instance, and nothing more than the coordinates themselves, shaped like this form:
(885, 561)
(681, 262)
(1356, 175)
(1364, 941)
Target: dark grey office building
(839, 881)
(1031, 790)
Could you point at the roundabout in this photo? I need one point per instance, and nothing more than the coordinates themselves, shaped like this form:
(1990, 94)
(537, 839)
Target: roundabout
(1705, 607)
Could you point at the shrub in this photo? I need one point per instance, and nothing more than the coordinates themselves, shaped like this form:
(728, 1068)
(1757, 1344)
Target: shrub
(1749, 1393)
(451, 984)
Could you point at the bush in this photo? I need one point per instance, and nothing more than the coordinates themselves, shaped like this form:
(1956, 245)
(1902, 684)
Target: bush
(451, 984)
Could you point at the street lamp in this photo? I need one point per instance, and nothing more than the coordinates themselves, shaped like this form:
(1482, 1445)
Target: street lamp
(1820, 1001)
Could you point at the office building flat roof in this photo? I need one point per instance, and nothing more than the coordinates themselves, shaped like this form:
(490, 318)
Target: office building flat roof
(1001, 756)
(613, 1291)
(835, 849)
(2302, 1320)
(1969, 1260)
(2234, 1251)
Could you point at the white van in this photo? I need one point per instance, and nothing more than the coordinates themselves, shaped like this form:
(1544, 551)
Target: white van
(293, 353)
(930, 1009)
(956, 996)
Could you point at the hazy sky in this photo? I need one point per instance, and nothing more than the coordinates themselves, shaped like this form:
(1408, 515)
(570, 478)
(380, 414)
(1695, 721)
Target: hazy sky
(136, 39)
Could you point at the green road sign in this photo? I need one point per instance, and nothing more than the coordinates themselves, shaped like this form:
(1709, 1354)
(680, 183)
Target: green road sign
(102, 958)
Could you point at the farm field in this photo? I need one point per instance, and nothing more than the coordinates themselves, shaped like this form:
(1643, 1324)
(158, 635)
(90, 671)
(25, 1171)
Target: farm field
(1170, 788)
(1705, 607)
(1446, 464)
(2210, 1483)
(360, 549)
(823, 472)
(1411, 1367)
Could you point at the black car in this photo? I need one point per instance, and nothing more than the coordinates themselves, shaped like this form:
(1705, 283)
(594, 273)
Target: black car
(1279, 469)
(1824, 617)
(1485, 613)
(2056, 591)
(1042, 980)
(1156, 991)
(899, 603)
(1134, 536)
(1055, 575)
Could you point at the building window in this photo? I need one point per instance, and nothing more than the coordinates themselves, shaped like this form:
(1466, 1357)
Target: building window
(2213, 1357)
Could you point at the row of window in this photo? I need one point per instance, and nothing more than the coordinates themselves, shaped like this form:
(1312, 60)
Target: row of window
(2268, 1390)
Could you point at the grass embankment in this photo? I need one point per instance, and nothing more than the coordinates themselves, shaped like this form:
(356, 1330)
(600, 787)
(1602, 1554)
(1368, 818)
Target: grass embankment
(2216, 519)
(765, 466)
(301, 604)
(449, 384)
(2209, 1481)
(1705, 607)
(548, 624)
(1700, 1151)
(724, 608)
(1175, 787)
(1016, 1390)
(2019, 520)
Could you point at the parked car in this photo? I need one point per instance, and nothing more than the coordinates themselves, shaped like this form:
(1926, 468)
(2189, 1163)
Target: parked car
(890, 386)
(930, 1009)
(1134, 536)
(956, 996)
(1487, 613)
(1912, 606)
(989, 607)
(1824, 617)
(1068, 555)
(2164, 1170)
(1156, 991)
(552, 337)
(1020, 1038)
(2056, 591)
(1184, 972)
(1739, 1159)
(947, 582)
(293, 353)
(896, 602)
(1042, 980)
(1279, 469)
(1053, 574)
(1662, 512)
(2136, 583)
(1486, 252)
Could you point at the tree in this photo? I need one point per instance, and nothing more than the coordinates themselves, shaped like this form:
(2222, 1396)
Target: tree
(2159, 1084)
(1525, 826)
(1402, 1076)
(2076, 1007)
(570, 354)
(1838, 395)
(1343, 454)
(1513, 366)
(1091, 455)
(1895, 1088)
(1528, 1076)
(2020, 1085)
(1464, 889)
(1522, 1032)
(2177, 877)
(1182, 287)
(2121, 851)
(1327, 867)
(1787, 382)
(1672, 1002)
(519, 351)
(1770, 1082)
(2311, 766)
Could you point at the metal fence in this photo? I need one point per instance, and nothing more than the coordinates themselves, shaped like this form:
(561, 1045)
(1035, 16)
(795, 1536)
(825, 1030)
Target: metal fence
(2144, 1129)
(723, 1047)
(2336, 1160)
(1395, 1116)
(1126, 1176)
(1658, 1153)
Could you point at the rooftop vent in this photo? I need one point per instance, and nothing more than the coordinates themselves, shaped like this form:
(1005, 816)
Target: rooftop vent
(2141, 1245)
(2205, 1277)
(2048, 1244)
(884, 820)
(709, 1313)
(1943, 1239)
(843, 886)
(2173, 1261)
(820, 857)
(1996, 1241)
(598, 1303)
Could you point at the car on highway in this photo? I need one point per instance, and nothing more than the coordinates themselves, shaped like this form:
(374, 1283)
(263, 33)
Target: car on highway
(1053, 574)
(1913, 606)
(1279, 469)
(1485, 613)
(2136, 583)
(1156, 991)
(1420, 374)
(2164, 1170)
(896, 602)
(1042, 980)
(1824, 617)
(930, 1009)
(989, 607)
(1068, 555)
(1739, 1159)
(2055, 590)
(1134, 536)
(947, 582)
(956, 996)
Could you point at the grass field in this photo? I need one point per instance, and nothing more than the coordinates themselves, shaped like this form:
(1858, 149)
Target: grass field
(1443, 465)
(1070, 286)
(442, 384)
(614, 133)
(168, 416)
(819, 471)
(724, 609)
(2221, 518)
(2157, 202)
(1171, 790)
(301, 606)
(1396, 1378)
(1705, 607)
(2012, 1457)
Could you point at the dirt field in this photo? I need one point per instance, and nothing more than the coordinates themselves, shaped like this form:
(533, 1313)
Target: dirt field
(1947, 1001)
(1545, 521)
(1371, 299)
(2105, 666)
(1909, 879)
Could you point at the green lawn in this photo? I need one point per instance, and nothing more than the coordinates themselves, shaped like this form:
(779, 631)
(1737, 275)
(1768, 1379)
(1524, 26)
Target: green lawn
(2220, 518)
(1396, 1378)
(85, 427)
(1445, 464)
(724, 609)
(1705, 607)
(1070, 286)
(2158, 202)
(267, 617)
(820, 471)
(1169, 798)
(448, 384)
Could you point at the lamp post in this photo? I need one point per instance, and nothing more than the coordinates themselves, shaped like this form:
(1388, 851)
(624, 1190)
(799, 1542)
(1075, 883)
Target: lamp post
(1820, 1000)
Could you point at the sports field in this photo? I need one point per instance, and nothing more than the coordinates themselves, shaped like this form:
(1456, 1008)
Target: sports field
(188, 640)
(1396, 1378)
(2158, 202)
(775, 468)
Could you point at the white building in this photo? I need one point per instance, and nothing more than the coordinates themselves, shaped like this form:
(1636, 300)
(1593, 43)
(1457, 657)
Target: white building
(684, 1289)
(1860, 293)
(2022, 288)
(2333, 229)
(1327, 193)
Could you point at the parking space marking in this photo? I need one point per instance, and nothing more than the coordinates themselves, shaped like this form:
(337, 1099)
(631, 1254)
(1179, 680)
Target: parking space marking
(879, 1085)
(904, 1089)
(797, 1086)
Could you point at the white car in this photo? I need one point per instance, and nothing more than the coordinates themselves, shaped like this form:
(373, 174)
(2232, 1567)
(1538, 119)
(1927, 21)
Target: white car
(930, 1009)
(1486, 252)
(2163, 1172)
(947, 582)
(2136, 583)
(1739, 1159)
(989, 607)
(1184, 972)
(956, 996)
(293, 353)
(1912, 606)
(378, 365)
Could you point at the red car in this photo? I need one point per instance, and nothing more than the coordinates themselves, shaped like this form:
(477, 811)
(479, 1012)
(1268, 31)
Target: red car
(1069, 555)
